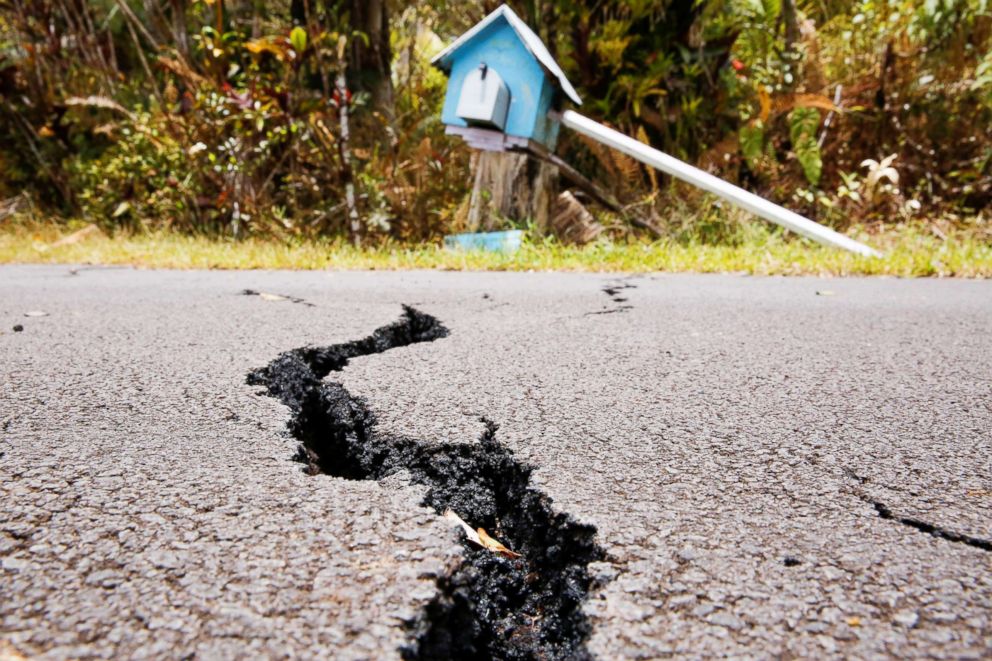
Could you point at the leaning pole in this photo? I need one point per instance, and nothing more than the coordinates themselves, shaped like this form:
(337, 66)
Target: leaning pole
(704, 180)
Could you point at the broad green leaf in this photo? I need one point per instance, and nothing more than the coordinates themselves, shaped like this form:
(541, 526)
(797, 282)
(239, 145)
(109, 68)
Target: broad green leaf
(803, 124)
(808, 154)
(752, 139)
(298, 39)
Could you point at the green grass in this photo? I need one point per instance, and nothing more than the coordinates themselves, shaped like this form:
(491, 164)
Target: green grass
(910, 251)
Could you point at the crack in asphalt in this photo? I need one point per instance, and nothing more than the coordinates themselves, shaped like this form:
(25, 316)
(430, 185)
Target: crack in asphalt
(939, 532)
(491, 606)
(885, 512)
(622, 308)
(613, 291)
(291, 299)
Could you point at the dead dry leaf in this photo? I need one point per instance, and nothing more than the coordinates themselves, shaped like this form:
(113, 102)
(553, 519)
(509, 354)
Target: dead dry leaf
(180, 68)
(480, 537)
(76, 237)
(98, 102)
(572, 222)
(472, 535)
(854, 621)
(495, 545)
(766, 104)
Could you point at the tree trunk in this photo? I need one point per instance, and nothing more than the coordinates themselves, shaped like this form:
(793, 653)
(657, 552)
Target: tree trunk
(344, 150)
(510, 186)
(790, 17)
(179, 28)
(370, 63)
(298, 12)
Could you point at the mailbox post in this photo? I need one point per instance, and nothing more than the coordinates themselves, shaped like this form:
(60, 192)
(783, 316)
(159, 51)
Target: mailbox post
(506, 93)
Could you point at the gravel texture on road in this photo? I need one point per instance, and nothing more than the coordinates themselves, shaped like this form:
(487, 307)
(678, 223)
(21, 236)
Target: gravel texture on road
(773, 466)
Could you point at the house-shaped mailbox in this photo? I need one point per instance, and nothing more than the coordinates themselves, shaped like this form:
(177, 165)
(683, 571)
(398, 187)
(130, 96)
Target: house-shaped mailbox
(506, 92)
(502, 83)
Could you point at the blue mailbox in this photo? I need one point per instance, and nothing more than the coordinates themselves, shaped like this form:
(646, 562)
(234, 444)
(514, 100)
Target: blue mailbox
(502, 83)
(505, 93)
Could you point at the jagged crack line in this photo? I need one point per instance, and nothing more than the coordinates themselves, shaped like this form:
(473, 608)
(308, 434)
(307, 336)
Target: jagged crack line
(613, 291)
(291, 299)
(490, 606)
(884, 512)
(622, 308)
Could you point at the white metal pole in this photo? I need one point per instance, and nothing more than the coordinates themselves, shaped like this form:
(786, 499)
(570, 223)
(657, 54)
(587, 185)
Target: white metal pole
(742, 198)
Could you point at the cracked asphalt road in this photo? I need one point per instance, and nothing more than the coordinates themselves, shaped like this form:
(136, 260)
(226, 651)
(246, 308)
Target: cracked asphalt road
(727, 436)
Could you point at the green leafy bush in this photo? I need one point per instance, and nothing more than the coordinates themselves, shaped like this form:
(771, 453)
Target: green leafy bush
(228, 117)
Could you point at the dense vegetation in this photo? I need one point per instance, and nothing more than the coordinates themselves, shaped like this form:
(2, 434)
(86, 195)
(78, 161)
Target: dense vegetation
(321, 117)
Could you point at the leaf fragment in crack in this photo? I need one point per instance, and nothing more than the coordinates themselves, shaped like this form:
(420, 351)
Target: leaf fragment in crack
(471, 534)
(480, 537)
(495, 545)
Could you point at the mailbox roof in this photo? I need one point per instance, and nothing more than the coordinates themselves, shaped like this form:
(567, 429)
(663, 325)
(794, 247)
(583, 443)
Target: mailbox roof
(530, 40)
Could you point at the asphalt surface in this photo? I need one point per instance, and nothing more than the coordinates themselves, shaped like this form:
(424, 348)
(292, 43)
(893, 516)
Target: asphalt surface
(775, 467)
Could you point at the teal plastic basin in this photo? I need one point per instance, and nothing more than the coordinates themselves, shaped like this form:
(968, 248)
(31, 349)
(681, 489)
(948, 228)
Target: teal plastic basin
(508, 241)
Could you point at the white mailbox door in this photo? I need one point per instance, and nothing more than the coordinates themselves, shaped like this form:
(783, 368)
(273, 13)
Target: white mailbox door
(484, 99)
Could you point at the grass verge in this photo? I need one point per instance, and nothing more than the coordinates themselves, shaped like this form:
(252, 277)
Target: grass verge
(910, 251)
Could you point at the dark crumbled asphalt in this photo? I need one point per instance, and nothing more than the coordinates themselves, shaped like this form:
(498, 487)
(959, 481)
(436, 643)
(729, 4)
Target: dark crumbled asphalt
(771, 472)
